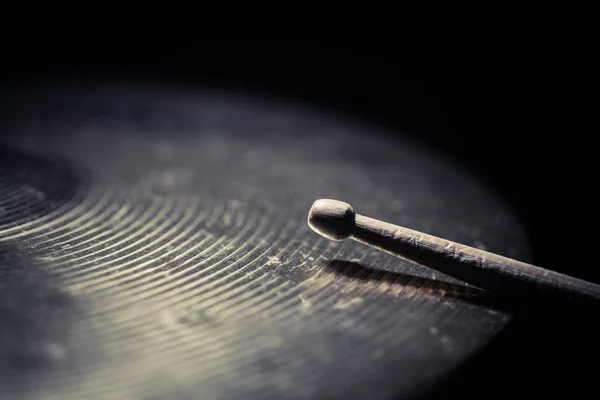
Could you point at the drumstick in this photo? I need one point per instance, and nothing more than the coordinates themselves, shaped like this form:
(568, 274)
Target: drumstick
(337, 221)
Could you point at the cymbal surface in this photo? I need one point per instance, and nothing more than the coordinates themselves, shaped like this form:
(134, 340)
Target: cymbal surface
(154, 244)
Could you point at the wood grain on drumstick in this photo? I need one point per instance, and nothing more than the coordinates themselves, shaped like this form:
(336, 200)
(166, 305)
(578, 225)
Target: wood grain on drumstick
(337, 220)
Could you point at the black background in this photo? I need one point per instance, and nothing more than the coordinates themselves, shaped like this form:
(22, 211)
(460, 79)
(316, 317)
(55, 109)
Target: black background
(510, 115)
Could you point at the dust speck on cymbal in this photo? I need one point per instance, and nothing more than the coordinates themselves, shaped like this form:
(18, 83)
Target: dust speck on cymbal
(273, 260)
(345, 304)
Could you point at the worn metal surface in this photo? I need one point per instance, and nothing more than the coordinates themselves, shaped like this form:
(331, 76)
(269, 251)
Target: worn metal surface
(153, 244)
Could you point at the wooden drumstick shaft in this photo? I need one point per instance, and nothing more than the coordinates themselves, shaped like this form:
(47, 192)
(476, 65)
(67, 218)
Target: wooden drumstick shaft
(337, 221)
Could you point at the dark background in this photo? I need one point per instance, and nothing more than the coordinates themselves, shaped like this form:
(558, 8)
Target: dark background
(510, 115)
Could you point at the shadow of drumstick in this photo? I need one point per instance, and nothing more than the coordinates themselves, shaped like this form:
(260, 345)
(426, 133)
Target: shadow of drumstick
(442, 288)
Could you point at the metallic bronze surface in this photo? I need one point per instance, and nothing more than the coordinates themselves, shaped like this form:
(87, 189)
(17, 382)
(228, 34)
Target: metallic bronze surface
(158, 248)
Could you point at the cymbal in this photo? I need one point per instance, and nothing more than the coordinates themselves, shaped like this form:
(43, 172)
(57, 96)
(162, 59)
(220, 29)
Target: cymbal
(153, 244)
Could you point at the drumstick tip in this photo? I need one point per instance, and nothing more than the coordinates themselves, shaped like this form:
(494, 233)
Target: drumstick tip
(332, 219)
